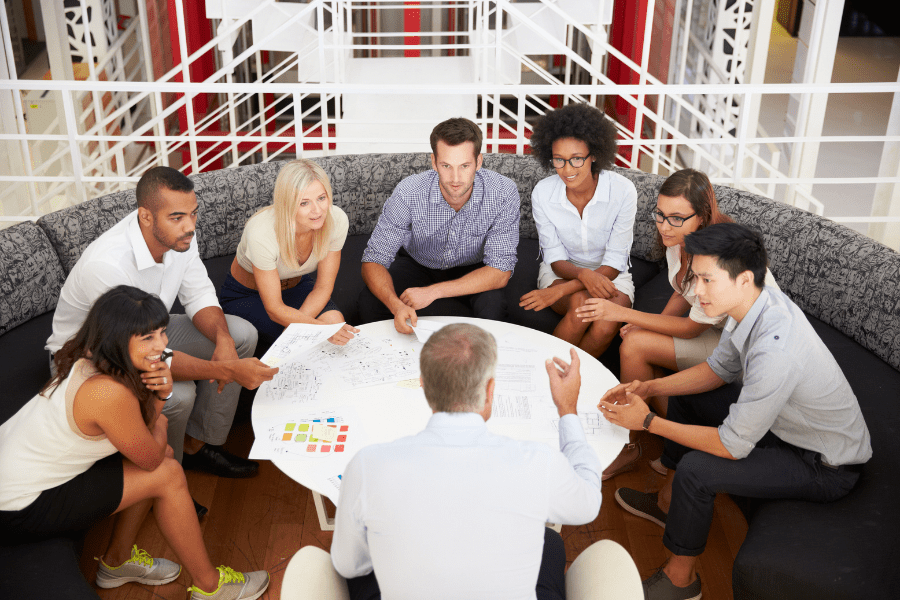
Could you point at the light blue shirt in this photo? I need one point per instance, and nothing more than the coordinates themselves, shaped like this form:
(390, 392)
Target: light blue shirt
(459, 512)
(416, 217)
(792, 385)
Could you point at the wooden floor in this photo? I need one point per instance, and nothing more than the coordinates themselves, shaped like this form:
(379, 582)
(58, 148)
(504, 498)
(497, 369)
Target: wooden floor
(260, 523)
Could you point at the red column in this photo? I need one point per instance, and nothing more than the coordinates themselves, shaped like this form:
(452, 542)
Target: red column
(412, 23)
(627, 36)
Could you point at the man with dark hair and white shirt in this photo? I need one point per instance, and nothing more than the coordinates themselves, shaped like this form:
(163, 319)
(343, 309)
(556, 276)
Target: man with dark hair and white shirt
(459, 512)
(795, 430)
(154, 249)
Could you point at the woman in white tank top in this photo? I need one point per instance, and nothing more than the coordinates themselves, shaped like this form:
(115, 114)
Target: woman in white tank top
(103, 450)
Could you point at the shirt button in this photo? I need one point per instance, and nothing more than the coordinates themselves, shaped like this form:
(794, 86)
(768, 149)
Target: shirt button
(776, 337)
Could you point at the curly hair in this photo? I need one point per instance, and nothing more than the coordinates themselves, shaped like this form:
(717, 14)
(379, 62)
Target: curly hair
(582, 122)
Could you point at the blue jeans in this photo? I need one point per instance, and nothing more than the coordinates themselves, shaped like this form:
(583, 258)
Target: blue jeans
(774, 469)
(237, 299)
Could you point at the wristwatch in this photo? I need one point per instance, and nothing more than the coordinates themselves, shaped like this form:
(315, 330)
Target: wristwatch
(647, 420)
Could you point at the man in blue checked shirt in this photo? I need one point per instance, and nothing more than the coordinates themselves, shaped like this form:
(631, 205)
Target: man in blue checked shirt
(445, 243)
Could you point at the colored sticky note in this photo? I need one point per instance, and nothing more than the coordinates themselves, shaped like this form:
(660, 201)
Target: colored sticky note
(313, 439)
(331, 420)
(324, 432)
(326, 448)
(339, 448)
(290, 426)
(286, 437)
(311, 448)
(344, 427)
(301, 437)
(303, 427)
(342, 438)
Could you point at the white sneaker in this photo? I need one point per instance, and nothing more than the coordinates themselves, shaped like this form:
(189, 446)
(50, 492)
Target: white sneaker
(140, 568)
(234, 586)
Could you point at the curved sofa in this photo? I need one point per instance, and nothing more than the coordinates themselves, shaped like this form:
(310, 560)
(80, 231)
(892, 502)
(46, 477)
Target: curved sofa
(848, 285)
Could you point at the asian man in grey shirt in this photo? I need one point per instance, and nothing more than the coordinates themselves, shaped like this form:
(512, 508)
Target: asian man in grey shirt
(795, 431)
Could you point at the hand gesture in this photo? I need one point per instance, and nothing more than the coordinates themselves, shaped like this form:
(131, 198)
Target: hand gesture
(403, 314)
(158, 379)
(540, 299)
(418, 297)
(344, 335)
(598, 309)
(597, 285)
(250, 373)
(629, 415)
(617, 395)
(565, 382)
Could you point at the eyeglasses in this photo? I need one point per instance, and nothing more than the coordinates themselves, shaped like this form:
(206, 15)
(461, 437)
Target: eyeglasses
(576, 161)
(672, 220)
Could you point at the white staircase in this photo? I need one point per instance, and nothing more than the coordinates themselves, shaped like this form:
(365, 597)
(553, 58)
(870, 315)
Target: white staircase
(376, 121)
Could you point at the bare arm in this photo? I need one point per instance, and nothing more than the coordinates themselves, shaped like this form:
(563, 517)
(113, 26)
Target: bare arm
(379, 282)
(103, 405)
(632, 414)
(669, 322)
(269, 285)
(575, 281)
(480, 280)
(210, 321)
(697, 379)
(249, 372)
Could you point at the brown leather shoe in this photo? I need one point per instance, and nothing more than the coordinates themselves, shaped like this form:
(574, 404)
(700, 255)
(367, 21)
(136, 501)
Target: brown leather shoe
(625, 461)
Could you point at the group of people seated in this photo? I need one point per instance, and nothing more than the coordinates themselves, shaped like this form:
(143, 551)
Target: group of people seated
(138, 394)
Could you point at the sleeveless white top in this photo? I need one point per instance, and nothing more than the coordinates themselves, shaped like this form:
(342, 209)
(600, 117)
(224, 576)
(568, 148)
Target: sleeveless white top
(41, 447)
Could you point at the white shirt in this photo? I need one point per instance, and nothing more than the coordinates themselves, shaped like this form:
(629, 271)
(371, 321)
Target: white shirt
(459, 512)
(121, 257)
(697, 314)
(601, 236)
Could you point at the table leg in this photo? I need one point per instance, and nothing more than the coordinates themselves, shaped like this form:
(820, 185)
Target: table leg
(326, 523)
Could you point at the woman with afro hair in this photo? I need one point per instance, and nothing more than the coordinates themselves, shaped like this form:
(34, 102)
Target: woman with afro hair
(584, 216)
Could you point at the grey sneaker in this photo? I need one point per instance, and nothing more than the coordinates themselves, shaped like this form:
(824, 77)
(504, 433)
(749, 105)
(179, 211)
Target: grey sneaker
(140, 568)
(641, 504)
(659, 587)
(234, 586)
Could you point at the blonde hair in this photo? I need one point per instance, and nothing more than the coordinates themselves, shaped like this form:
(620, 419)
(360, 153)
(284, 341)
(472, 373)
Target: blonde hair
(292, 181)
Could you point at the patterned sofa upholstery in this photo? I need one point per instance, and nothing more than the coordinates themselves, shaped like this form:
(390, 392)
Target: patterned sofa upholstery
(848, 284)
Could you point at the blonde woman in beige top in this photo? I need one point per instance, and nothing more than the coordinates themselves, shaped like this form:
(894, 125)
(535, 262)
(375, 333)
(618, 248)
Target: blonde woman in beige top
(288, 258)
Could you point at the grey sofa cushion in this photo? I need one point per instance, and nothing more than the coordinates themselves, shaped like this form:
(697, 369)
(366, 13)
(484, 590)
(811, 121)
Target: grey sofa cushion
(227, 198)
(71, 229)
(30, 275)
(832, 272)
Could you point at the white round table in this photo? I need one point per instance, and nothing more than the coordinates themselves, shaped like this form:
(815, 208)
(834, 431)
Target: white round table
(388, 411)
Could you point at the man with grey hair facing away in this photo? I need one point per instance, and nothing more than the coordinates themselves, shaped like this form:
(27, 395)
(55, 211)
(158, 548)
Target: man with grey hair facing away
(456, 511)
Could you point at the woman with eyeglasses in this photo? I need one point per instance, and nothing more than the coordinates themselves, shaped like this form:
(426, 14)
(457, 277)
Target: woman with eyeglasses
(585, 219)
(669, 340)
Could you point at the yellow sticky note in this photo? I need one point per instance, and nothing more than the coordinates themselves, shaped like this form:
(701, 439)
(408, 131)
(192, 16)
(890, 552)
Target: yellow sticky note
(324, 432)
(410, 384)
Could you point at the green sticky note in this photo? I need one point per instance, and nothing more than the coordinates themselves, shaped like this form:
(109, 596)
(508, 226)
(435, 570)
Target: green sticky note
(312, 439)
(303, 427)
(301, 437)
(290, 426)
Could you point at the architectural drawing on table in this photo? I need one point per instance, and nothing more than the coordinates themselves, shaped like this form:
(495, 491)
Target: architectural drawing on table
(295, 382)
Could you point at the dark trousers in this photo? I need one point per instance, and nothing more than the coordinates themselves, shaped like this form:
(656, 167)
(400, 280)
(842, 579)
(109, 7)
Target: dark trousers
(407, 273)
(774, 469)
(237, 299)
(551, 583)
